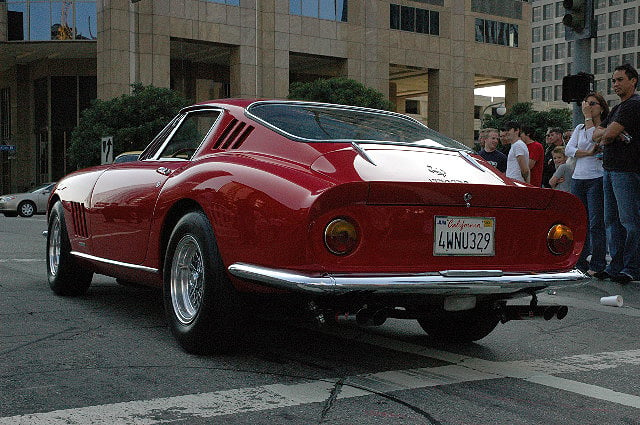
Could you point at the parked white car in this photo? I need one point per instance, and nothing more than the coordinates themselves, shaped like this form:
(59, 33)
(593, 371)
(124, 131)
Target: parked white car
(28, 203)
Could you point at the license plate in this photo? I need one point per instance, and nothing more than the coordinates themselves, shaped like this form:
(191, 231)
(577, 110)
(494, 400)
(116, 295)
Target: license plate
(464, 236)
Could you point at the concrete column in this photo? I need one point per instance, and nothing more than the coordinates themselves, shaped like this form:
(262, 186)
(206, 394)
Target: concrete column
(3, 21)
(243, 71)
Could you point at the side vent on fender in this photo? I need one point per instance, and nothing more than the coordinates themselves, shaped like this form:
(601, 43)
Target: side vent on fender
(233, 135)
(79, 220)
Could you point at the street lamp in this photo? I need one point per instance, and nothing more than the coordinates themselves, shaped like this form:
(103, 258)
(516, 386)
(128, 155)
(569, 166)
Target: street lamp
(500, 110)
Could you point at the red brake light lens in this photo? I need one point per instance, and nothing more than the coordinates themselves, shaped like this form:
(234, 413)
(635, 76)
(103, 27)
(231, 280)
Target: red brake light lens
(560, 239)
(341, 236)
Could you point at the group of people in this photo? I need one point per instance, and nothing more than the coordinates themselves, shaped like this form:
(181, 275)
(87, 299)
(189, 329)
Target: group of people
(599, 162)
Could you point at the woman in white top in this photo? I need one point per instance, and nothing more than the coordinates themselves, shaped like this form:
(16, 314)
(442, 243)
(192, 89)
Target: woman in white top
(586, 182)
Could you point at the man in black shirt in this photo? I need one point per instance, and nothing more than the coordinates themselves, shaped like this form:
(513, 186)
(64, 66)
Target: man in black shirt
(619, 138)
(490, 152)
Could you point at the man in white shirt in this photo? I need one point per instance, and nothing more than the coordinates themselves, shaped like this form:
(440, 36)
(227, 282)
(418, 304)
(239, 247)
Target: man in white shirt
(518, 158)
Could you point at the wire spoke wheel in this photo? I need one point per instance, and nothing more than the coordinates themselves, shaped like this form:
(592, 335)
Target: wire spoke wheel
(54, 246)
(187, 279)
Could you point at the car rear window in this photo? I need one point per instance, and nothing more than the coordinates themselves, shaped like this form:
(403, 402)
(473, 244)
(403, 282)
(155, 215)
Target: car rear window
(332, 123)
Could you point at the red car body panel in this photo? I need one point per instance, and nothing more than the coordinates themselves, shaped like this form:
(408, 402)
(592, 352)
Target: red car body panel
(269, 198)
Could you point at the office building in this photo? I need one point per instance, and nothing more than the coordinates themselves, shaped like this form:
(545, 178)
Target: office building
(427, 56)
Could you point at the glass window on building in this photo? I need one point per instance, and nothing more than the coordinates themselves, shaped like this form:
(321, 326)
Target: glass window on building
(628, 39)
(536, 75)
(600, 86)
(535, 33)
(537, 13)
(614, 41)
(629, 58)
(601, 21)
(601, 44)
(547, 11)
(51, 20)
(535, 55)
(629, 16)
(601, 3)
(407, 18)
(569, 68)
(547, 53)
(614, 2)
(547, 94)
(612, 61)
(599, 66)
(570, 49)
(559, 71)
(559, 30)
(615, 19)
(557, 95)
(548, 32)
(560, 50)
(536, 94)
(559, 9)
(414, 19)
(334, 10)
(638, 60)
(547, 73)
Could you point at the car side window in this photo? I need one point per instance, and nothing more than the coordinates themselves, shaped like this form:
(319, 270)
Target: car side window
(189, 135)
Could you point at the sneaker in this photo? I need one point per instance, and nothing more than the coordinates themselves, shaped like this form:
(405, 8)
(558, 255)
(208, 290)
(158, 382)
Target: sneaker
(622, 278)
(601, 275)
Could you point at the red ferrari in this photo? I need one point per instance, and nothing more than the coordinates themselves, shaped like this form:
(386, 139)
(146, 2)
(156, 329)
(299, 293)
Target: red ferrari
(329, 210)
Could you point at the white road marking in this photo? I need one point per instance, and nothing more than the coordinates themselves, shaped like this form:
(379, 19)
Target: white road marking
(22, 260)
(268, 397)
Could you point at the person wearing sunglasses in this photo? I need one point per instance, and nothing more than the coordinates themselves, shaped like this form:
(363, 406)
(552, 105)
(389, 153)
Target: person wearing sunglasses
(586, 183)
(619, 136)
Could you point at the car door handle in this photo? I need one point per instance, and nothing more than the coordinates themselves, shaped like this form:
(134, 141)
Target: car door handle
(163, 170)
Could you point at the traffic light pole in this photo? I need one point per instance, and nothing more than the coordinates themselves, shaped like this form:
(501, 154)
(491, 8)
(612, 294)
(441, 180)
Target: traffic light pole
(581, 63)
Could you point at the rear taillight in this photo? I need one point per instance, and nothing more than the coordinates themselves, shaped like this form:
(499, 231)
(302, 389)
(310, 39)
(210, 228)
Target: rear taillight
(560, 239)
(341, 236)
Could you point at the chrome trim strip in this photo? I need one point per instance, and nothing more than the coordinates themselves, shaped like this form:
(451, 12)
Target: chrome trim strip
(113, 262)
(472, 161)
(434, 283)
(362, 153)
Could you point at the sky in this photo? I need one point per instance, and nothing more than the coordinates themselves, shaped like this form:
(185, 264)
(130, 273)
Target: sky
(493, 91)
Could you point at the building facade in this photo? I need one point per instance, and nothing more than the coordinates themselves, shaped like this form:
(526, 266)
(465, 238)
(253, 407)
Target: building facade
(618, 41)
(427, 56)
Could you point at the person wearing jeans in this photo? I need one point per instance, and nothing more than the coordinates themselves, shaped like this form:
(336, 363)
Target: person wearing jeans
(619, 137)
(586, 183)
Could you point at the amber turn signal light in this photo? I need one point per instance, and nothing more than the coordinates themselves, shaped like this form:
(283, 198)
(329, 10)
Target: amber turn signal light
(341, 236)
(560, 239)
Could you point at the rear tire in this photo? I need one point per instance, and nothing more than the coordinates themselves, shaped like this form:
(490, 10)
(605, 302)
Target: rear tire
(200, 303)
(460, 326)
(66, 276)
(26, 209)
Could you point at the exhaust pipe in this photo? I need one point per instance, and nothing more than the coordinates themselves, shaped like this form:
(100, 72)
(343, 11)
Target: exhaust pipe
(364, 317)
(524, 312)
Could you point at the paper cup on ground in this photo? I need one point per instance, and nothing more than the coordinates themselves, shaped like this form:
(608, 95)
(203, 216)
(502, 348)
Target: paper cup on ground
(614, 300)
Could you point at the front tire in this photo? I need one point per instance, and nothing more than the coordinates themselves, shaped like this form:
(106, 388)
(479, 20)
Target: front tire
(460, 326)
(200, 303)
(66, 276)
(26, 209)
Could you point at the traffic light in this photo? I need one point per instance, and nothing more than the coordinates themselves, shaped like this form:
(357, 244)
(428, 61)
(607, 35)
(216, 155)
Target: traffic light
(578, 19)
(576, 87)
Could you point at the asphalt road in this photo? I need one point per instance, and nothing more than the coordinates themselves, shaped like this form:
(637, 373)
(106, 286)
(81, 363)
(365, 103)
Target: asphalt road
(108, 358)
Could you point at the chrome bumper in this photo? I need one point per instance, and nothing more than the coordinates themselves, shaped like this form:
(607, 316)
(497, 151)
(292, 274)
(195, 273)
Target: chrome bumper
(449, 282)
